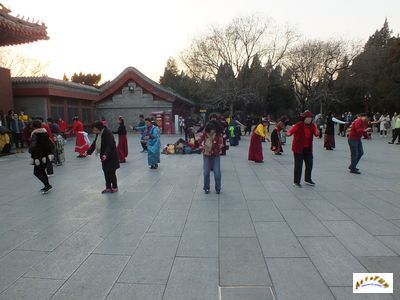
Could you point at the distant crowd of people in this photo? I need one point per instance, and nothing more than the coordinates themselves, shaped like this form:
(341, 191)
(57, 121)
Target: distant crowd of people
(45, 140)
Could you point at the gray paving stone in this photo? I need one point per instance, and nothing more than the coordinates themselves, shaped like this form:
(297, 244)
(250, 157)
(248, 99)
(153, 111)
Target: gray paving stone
(94, 278)
(199, 239)
(125, 238)
(63, 261)
(13, 238)
(264, 211)
(286, 201)
(242, 263)
(277, 240)
(49, 238)
(235, 223)
(335, 264)
(385, 265)
(303, 223)
(237, 202)
(193, 278)
(358, 241)
(325, 211)
(371, 222)
(32, 289)
(248, 293)
(127, 291)
(152, 262)
(385, 209)
(297, 278)
(169, 223)
(393, 242)
(15, 264)
(341, 200)
(346, 293)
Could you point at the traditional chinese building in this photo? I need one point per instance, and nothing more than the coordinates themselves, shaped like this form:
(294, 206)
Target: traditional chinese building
(130, 94)
(15, 31)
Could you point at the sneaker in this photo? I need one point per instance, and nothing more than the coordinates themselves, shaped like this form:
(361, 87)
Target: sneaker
(152, 167)
(206, 191)
(106, 191)
(156, 166)
(391, 143)
(297, 184)
(41, 190)
(50, 175)
(398, 143)
(114, 190)
(46, 190)
(355, 172)
(218, 192)
(357, 169)
(311, 183)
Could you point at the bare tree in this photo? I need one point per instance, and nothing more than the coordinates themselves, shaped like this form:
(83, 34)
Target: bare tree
(21, 65)
(237, 44)
(314, 65)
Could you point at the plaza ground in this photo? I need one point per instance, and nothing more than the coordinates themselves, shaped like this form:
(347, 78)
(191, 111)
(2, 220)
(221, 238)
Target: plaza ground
(161, 237)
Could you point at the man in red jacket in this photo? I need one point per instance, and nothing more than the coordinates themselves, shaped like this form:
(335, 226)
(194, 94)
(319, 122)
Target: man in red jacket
(357, 131)
(302, 147)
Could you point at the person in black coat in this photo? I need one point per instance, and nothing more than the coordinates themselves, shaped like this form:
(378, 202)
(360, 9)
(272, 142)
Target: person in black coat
(41, 150)
(104, 145)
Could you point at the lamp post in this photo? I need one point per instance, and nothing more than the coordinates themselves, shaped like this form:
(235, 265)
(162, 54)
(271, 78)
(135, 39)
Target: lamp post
(367, 98)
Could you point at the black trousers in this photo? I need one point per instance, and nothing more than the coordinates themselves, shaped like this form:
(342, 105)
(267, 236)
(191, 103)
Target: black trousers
(17, 137)
(40, 173)
(307, 157)
(49, 168)
(396, 135)
(111, 179)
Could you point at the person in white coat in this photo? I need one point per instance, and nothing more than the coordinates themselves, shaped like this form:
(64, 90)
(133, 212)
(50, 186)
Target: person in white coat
(384, 122)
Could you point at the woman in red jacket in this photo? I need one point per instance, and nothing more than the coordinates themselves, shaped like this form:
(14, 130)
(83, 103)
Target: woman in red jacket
(302, 146)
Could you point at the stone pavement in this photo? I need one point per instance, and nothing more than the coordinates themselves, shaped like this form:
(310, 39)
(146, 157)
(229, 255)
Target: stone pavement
(160, 237)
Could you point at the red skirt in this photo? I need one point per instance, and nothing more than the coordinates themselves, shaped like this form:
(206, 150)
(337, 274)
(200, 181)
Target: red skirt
(81, 144)
(329, 141)
(122, 147)
(255, 150)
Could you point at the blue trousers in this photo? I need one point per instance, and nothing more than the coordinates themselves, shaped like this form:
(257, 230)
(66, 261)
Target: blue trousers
(213, 162)
(357, 151)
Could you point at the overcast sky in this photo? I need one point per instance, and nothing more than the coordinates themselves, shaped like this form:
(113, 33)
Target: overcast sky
(108, 36)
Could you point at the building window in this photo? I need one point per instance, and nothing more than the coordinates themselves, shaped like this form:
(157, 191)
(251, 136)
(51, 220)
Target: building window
(86, 115)
(57, 112)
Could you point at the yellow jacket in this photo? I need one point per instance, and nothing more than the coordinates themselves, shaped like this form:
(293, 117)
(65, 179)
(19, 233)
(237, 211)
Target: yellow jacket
(261, 130)
(4, 140)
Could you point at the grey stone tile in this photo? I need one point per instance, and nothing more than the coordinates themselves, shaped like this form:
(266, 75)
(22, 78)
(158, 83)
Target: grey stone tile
(235, 223)
(193, 278)
(346, 293)
(169, 223)
(335, 264)
(125, 238)
(94, 278)
(152, 262)
(358, 241)
(248, 293)
(393, 242)
(206, 210)
(15, 264)
(371, 222)
(286, 201)
(385, 209)
(232, 203)
(242, 263)
(136, 291)
(325, 211)
(51, 237)
(199, 239)
(303, 223)
(64, 260)
(297, 278)
(32, 289)
(264, 211)
(385, 265)
(13, 238)
(277, 240)
(341, 200)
